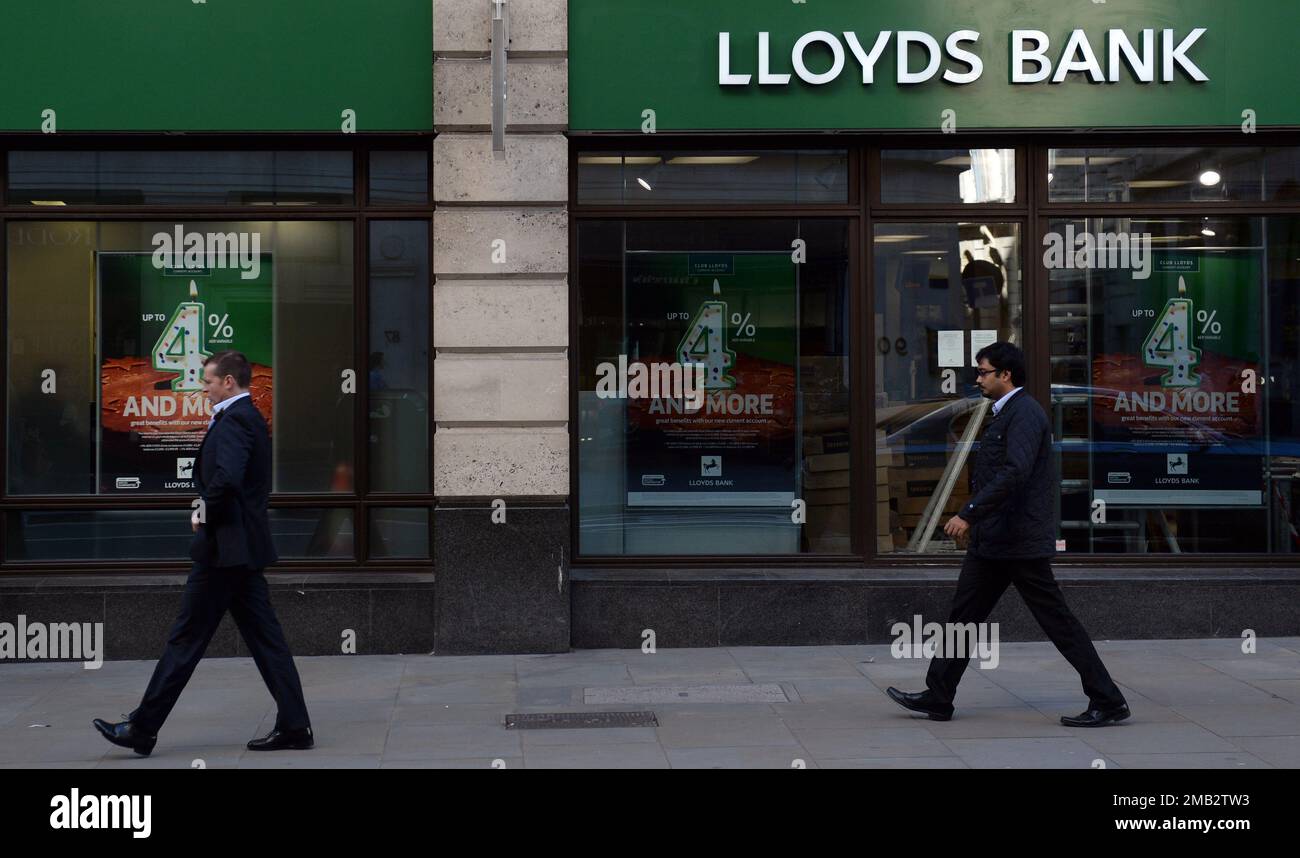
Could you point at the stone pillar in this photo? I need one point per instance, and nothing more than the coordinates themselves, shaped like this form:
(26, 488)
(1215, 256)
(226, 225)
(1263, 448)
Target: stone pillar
(501, 260)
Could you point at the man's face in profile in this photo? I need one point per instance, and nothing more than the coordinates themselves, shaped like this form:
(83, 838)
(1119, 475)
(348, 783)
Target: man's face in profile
(217, 388)
(992, 383)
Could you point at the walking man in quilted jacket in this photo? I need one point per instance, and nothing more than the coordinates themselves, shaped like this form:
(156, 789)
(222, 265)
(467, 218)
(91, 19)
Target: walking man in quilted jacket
(1011, 525)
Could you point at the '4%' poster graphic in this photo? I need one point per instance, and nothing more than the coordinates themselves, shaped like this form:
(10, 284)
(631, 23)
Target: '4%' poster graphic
(736, 314)
(157, 326)
(1175, 422)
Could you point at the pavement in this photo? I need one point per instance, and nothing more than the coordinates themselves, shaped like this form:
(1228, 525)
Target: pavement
(1195, 704)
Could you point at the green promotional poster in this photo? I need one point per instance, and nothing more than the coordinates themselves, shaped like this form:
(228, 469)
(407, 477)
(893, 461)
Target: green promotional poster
(157, 325)
(1175, 419)
(735, 317)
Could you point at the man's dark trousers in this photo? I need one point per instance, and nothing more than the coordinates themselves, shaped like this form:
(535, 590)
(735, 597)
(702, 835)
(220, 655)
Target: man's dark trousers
(209, 593)
(982, 582)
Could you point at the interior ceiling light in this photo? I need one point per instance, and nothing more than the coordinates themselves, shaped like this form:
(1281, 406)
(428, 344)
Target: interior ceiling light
(617, 160)
(1210, 178)
(1082, 160)
(896, 239)
(1156, 184)
(48, 203)
(643, 183)
(962, 160)
(710, 160)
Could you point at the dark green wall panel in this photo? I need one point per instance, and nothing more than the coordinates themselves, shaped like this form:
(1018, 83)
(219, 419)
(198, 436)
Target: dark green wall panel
(224, 65)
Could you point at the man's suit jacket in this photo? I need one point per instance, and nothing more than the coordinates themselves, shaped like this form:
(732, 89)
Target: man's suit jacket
(233, 473)
(1012, 510)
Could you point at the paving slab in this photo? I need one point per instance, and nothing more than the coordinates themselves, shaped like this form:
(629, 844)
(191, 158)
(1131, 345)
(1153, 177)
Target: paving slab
(630, 756)
(781, 757)
(1240, 760)
(902, 741)
(658, 695)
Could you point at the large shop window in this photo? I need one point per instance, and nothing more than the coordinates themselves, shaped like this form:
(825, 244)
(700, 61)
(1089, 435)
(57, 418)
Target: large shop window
(109, 322)
(713, 387)
(943, 291)
(1175, 356)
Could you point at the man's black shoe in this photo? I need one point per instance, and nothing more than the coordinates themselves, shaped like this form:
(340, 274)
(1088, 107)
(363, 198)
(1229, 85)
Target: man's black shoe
(126, 735)
(1097, 717)
(922, 702)
(281, 740)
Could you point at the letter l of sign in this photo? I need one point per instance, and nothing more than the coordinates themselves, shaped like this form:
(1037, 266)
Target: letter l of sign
(725, 77)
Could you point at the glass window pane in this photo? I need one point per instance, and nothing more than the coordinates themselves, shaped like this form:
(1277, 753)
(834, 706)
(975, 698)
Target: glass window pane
(180, 178)
(69, 535)
(728, 178)
(1173, 175)
(50, 535)
(1174, 379)
(713, 468)
(305, 533)
(944, 176)
(943, 290)
(399, 533)
(399, 178)
(399, 356)
(106, 341)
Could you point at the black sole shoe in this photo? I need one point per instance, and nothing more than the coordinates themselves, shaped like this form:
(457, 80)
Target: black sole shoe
(1097, 717)
(125, 735)
(298, 740)
(915, 703)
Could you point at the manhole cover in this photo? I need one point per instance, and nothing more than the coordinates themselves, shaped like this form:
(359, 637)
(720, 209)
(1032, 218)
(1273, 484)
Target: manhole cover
(579, 720)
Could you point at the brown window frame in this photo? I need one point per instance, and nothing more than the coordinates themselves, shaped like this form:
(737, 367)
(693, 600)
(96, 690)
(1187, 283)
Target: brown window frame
(361, 500)
(1032, 210)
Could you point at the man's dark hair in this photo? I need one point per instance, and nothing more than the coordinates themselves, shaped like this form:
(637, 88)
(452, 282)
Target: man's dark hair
(1005, 357)
(232, 363)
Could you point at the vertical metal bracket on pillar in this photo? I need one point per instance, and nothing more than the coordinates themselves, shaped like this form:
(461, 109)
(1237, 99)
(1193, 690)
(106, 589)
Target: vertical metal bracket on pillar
(500, 40)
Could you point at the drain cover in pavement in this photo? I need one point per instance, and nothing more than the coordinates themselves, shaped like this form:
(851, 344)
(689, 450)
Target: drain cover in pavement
(651, 695)
(579, 720)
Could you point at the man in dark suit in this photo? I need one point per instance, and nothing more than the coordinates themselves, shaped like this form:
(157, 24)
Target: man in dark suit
(231, 546)
(1011, 523)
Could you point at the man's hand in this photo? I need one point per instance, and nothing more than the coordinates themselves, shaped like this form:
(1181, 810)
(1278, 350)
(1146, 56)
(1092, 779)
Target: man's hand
(194, 521)
(957, 527)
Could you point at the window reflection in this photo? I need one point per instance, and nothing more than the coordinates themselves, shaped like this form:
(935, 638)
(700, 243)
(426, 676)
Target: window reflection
(180, 178)
(728, 178)
(942, 176)
(772, 427)
(1173, 174)
(119, 333)
(943, 291)
(1174, 387)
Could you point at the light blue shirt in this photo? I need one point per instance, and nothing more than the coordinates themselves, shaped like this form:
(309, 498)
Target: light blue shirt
(997, 406)
(226, 403)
